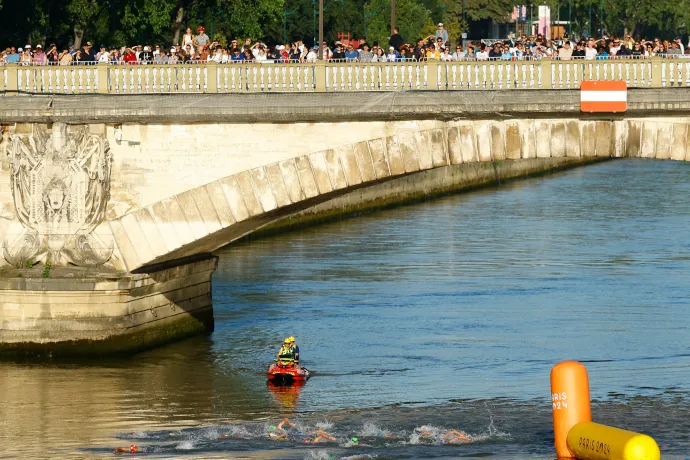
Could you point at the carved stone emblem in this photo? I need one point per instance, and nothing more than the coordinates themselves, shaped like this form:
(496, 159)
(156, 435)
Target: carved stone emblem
(61, 187)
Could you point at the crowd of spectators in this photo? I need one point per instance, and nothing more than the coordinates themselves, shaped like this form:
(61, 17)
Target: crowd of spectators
(199, 48)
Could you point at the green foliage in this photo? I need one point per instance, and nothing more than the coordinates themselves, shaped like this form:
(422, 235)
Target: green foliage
(120, 22)
(46, 269)
(411, 18)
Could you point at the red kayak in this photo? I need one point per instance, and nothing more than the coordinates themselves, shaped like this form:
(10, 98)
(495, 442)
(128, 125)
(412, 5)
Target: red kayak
(287, 372)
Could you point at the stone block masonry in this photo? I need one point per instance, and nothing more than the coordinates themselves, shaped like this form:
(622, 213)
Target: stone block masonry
(79, 312)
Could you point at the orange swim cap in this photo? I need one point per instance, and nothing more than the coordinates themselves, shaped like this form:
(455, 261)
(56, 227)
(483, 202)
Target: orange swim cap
(133, 448)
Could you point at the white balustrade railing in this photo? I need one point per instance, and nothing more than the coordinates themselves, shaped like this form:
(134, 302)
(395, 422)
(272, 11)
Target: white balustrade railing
(340, 76)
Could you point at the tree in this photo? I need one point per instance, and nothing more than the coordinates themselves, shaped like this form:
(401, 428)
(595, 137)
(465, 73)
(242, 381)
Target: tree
(241, 18)
(411, 18)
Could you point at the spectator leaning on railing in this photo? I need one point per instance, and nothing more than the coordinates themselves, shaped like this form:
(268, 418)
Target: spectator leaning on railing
(199, 49)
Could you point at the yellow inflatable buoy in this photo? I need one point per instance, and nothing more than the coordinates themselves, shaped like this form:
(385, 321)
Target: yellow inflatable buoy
(593, 441)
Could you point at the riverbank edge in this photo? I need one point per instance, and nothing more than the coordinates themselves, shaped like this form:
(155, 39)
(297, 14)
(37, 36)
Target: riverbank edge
(412, 188)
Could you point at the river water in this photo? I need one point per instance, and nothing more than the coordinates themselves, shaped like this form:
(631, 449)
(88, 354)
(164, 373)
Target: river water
(441, 315)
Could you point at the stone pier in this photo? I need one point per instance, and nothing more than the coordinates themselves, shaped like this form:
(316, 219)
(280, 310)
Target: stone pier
(71, 311)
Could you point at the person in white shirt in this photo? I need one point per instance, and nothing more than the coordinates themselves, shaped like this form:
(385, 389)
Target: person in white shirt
(103, 55)
(591, 50)
(313, 54)
(392, 56)
(459, 54)
(446, 56)
(217, 55)
(188, 39)
(483, 53)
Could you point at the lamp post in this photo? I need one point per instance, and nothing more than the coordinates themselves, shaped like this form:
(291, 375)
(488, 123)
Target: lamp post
(320, 45)
(392, 15)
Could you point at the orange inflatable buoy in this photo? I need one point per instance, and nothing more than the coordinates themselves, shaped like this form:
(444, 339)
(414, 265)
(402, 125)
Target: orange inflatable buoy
(570, 403)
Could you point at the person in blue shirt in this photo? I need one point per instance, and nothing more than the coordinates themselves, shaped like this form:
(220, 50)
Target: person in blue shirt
(506, 55)
(236, 55)
(602, 54)
(13, 57)
(351, 53)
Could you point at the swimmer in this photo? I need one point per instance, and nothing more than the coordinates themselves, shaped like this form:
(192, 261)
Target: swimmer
(427, 434)
(278, 436)
(455, 437)
(357, 443)
(285, 422)
(450, 437)
(320, 436)
(127, 450)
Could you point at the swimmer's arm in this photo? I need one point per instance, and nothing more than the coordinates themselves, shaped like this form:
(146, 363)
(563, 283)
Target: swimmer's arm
(458, 435)
(285, 421)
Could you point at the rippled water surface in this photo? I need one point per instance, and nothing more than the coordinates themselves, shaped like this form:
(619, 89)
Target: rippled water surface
(446, 315)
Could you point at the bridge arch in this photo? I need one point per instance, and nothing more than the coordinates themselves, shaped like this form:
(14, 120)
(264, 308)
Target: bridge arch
(451, 156)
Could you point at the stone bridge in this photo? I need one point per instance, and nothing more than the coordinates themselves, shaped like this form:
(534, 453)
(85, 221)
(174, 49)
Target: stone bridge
(107, 225)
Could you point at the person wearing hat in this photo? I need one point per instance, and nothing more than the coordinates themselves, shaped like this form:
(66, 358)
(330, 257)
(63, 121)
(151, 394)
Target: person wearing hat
(87, 54)
(201, 39)
(392, 55)
(146, 56)
(338, 54)
(313, 54)
(103, 55)
(288, 353)
(25, 56)
(39, 56)
(365, 55)
(442, 33)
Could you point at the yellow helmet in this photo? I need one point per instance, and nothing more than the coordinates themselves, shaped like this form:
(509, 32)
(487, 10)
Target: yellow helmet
(291, 339)
(287, 340)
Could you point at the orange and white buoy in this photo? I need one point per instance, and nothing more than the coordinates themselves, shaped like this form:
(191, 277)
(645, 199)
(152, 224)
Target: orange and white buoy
(570, 402)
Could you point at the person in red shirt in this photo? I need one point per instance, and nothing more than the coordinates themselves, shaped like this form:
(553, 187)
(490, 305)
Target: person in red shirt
(129, 57)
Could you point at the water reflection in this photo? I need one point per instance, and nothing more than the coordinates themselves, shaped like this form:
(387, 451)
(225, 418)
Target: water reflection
(286, 394)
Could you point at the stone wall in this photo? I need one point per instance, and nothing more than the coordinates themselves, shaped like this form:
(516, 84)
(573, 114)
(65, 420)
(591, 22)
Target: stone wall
(92, 313)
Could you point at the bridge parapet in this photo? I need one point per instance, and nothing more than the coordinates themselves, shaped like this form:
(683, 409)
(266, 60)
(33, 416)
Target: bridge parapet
(338, 76)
